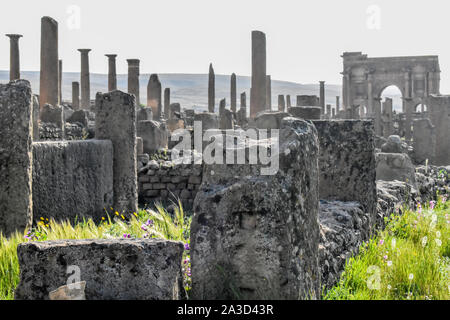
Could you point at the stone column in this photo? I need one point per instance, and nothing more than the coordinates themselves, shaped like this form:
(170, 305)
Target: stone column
(75, 95)
(133, 79)
(243, 100)
(112, 75)
(329, 110)
(288, 101)
(154, 96)
(281, 103)
(369, 94)
(258, 87)
(438, 107)
(346, 92)
(322, 96)
(60, 73)
(84, 80)
(14, 57)
(211, 89)
(387, 111)
(337, 104)
(48, 92)
(167, 112)
(233, 95)
(268, 93)
(16, 132)
(333, 113)
(377, 112)
(116, 121)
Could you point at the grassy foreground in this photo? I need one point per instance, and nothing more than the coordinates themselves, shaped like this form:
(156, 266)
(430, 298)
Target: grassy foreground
(409, 260)
(143, 224)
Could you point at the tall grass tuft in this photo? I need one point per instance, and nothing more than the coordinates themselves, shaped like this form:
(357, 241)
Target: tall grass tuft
(144, 224)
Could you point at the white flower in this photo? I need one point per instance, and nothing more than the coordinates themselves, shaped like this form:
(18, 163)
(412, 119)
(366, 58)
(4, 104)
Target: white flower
(438, 242)
(389, 263)
(438, 234)
(389, 287)
(424, 241)
(411, 276)
(393, 243)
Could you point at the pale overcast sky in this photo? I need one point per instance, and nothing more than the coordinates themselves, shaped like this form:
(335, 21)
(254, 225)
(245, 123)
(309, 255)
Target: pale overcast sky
(304, 38)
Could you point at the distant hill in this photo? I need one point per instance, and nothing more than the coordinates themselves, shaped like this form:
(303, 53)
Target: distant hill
(190, 90)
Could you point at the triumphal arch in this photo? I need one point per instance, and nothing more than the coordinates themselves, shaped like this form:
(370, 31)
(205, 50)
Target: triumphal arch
(364, 80)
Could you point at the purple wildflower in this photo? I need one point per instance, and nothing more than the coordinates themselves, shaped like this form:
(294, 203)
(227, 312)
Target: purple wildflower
(186, 247)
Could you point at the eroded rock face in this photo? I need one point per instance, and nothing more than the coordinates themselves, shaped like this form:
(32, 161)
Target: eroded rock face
(16, 132)
(343, 228)
(255, 236)
(113, 269)
(395, 166)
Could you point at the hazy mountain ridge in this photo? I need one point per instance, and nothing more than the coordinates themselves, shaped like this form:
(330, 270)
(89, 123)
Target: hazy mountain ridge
(187, 89)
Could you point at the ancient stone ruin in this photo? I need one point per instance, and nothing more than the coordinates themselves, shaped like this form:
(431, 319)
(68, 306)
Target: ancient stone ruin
(290, 196)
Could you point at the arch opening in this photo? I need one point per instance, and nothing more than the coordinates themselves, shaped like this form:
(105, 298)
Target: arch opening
(394, 93)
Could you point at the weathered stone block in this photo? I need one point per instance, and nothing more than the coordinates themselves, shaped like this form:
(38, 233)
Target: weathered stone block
(395, 166)
(347, 162)
(154, 135)
(307, 113)
(424, 141)
(270, 120)
(72, 179)
(208, 120)
(112, 269)
(256, 236)
(116, 121)
(16, 132)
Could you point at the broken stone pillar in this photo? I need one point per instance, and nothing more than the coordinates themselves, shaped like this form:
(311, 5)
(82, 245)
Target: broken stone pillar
(337, 104)
(52, 114)
(258, 86)
(322, 96)
(36, 111)
(167, 103)
(113, 269)
(288, 101)
(16, 130)
(333, 113)
(133, 79)
(307, 101)
(154, 91)
(329, 110)
(211, 89)
(154, 135)
(438, 107)
(139, 146)
(84, 80)
(144, 114)
(388, 128)
(75, 96)
(112, 75)
(14, 57)
(268, 93)
(115, 120)
(233, 94)
(281, 103)
(225, 117)
(222, 106)
(48, 92)
(307, 113)
(60, 73)
(174, 108)
(256, 236)
(241, 116)
(424, 141)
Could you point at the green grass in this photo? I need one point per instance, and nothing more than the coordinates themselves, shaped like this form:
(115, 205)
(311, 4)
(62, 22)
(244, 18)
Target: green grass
(143, 224)
(409, 260)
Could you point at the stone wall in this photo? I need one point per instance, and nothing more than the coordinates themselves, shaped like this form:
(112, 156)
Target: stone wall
(72, 179)
(347, 162)
(165, 181)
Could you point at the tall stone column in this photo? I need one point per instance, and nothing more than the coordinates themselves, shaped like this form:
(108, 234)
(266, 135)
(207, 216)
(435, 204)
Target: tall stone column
(288, 101)
(133, 79)
(84, 80)
(377, 112)
(167, 112)
(387, 111)
(75, 95)
(322, 96)
(408, 119)
(116, 121)
(60, 73)
(370, 94)
(268, 93)
(258, 88)
(112, 75)
(211, 89)
(281, 103)
(233, 95)
(14, 57)
(329, 111)
(48, 91)
(346, 92)
(337, 104)
(154, 96)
